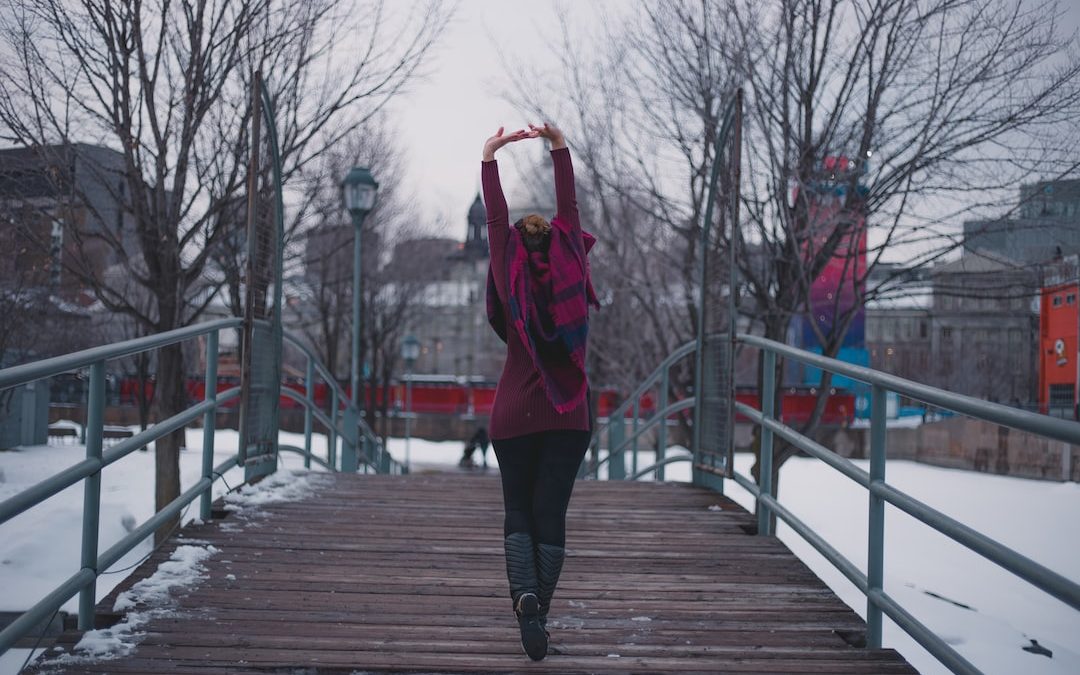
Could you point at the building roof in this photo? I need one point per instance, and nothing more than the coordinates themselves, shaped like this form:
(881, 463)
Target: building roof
(914, 298)
(980, 261)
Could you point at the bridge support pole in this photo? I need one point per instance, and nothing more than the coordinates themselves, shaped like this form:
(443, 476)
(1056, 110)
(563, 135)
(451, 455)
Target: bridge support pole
(209, 424)
(309, 393)
(95, 421)
(765, 464)
(876, 537)
(661, 432)
(331, 433)
(616, 463)
(350, 436)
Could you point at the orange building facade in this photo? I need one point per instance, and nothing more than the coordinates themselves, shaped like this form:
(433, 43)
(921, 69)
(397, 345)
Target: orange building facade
(1059, 330)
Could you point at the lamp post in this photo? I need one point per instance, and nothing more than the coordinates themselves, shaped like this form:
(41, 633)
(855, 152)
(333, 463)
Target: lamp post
(358, 192)
(410, 351)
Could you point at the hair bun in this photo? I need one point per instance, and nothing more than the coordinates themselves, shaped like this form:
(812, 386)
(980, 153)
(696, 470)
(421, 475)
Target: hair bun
(535, 225)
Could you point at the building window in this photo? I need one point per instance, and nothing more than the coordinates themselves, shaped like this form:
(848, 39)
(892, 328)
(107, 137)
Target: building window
(1061, 396)
(922, 329)
(56, 247)
(1070, 299)
(946, 333)
(1057, 301)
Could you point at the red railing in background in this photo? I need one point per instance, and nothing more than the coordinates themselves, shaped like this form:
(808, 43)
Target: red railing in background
(443, 398)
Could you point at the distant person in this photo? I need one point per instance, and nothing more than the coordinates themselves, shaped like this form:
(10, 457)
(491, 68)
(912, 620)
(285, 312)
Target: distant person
(479, 440)
(538, 298)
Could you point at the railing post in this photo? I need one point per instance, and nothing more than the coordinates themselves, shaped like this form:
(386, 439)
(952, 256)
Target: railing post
(209, 423)
(350, 439)
(616, 434)
(661, 434)
(95, 421)
(309, 394)
(634, 430)
(331, 433)
(875, 565)
(768, 409)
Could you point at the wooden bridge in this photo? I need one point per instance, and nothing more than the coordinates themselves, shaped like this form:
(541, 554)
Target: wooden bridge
(406, 574)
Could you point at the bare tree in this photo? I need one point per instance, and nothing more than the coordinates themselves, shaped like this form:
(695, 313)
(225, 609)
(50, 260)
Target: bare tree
(167, 85)
(952, 101)
(390, 288)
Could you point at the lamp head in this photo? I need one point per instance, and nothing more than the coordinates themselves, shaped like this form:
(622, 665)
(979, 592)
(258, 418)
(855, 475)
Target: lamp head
(358, 190)
(410, 349)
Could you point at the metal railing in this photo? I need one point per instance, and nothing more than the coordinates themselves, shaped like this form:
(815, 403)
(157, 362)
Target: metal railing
(614, 430)
(360, 448)
(879, 603)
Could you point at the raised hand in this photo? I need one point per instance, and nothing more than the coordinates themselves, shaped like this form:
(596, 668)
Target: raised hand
(550, 132)
(500, 139)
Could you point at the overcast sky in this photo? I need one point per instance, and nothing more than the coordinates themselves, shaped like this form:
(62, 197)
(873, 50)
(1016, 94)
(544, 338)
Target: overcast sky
(446, 117)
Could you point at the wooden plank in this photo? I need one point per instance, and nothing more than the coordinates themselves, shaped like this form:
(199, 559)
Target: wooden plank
(406, 574)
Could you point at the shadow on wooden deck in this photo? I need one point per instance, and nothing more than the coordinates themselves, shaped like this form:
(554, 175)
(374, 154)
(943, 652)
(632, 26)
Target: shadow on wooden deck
(381, 573)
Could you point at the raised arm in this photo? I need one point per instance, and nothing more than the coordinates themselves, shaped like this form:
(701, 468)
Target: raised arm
(498, 216)
(565, 195)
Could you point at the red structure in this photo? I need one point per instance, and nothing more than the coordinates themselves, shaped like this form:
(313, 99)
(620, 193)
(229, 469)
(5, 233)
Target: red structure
(1059, 329)
(442, 396)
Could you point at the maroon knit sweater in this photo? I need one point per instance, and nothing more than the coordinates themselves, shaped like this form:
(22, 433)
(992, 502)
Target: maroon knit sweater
(521, 406)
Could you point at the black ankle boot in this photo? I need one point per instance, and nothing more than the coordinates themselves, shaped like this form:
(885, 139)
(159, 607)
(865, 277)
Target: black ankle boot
(549, 564)
(521, 573)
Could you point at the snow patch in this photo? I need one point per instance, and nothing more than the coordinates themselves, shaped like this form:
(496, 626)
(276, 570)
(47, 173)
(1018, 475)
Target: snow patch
(153, 598)
(182, 569)
(716, 507)
(284, 485)
(641, 618)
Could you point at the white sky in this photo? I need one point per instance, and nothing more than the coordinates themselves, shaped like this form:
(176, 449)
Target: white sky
(446, 117)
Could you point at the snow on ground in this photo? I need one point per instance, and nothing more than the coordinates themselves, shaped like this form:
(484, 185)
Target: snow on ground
(35, 564)
(985, 612)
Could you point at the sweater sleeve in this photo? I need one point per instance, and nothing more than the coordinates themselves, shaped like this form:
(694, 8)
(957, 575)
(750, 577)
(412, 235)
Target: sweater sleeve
(498, 222)
(565, 195)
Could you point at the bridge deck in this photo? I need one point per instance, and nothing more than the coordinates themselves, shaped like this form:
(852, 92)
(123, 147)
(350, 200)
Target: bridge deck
(380, 573)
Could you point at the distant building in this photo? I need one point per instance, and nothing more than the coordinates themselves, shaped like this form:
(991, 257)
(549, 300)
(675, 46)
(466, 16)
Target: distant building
(452, 325)
(1059, 328)
(972, 329)
(57, 200)
(1047, 225)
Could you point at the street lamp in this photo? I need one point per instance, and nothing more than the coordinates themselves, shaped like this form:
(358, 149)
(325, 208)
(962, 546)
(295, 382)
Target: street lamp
(358, 192)
(410, 351)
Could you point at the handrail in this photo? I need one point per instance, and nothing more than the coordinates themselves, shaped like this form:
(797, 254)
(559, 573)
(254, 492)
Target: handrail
(680, 405)
(664, 462)
(871, 583)
(93, 563)
(38, 370)
(680, 352)
(879, 603)
(615, 418)
(327, 377)
(1023, 420)
(322, 417)
(89, 469)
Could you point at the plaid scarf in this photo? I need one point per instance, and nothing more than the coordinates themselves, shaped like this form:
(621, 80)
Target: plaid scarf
(548, 301)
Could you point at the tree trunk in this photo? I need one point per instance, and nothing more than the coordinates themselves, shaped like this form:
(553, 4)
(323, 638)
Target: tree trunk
(170, 398)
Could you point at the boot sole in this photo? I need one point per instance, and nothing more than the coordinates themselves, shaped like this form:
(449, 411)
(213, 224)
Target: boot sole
(534, 640)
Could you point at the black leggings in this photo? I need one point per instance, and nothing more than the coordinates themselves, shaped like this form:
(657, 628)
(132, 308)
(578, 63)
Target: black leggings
(538, 472)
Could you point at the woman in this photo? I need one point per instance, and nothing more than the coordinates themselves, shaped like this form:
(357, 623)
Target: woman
(537, 300)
